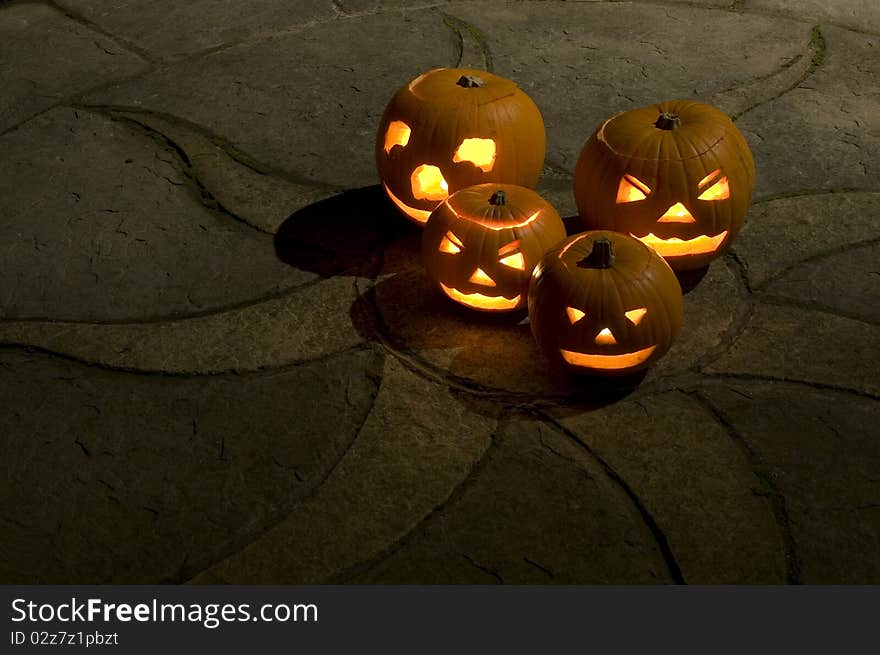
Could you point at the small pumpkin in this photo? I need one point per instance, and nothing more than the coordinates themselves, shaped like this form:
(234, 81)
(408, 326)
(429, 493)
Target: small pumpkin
(678, 175)
(604, 303)
(451, 128)
(480, 245)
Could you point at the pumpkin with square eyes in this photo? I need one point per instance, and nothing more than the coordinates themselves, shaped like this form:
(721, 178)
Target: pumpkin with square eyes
(451, 128)
(604, 303)
(677, 175)
(480, 245)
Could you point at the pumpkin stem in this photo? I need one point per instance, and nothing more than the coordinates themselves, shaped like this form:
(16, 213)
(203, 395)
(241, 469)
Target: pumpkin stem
(470, 81)
(498, 198)
(601, 256)
(668, 121)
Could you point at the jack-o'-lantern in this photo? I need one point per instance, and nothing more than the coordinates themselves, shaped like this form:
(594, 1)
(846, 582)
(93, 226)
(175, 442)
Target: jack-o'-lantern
(481, 244)
(452, 128)
(678, 175)
(604, 303)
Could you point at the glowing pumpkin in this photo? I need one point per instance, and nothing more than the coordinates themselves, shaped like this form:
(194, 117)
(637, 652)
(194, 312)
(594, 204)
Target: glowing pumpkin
(480, 245)
(678, 175)
(452, 128)
(605, 304)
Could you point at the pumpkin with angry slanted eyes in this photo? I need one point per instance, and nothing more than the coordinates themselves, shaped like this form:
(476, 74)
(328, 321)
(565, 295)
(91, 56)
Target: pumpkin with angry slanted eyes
(678, 175)
(451, 128)
(605, 304)
(480, 245)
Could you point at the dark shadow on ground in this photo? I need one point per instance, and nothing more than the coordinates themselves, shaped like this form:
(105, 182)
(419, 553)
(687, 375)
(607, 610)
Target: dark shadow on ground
(342, 235)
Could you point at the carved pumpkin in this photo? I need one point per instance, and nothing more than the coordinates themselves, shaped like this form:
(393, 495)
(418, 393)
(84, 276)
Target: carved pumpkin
(451, 128)
(605, 304)
(678, 175)
(481, 244)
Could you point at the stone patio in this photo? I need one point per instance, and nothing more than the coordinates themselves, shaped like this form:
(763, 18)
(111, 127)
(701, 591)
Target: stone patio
(220, 360)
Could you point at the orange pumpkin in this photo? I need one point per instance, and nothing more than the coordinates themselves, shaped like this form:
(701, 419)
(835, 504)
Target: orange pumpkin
(480, 245)
(678, 175)
(604, 303)
(451, 128)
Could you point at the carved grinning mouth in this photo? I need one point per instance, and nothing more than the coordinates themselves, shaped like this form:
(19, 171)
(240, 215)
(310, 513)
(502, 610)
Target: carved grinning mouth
(420, 215)
(674, 246)
(481, 301)
(608, 362)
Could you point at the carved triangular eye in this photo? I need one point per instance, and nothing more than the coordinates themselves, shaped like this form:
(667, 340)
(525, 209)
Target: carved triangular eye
(720, 190)
(574, 315)
(632, 189)
(635, 316)
(451, 244)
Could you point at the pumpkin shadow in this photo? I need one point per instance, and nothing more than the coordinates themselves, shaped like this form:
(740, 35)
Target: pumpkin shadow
(484, 356)
(342, 235)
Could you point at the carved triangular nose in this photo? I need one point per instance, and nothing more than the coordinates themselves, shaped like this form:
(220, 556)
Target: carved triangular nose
(678, 213)
(605, 337)
(480, 277)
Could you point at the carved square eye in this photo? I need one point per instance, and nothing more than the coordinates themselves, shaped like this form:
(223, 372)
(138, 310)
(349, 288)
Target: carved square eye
(511, 258)
(451, 244)
(574, 315)
(635, 316)
(428, 183)
(719, 190)
(632, 189)
(479, 152)
(397, 135)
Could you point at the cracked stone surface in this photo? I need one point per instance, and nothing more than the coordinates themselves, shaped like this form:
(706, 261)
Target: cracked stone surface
(135, 478)
(102, 224)
(570, 523)
(820, 449)
(167, 27)
(67, 58)
(221, 362)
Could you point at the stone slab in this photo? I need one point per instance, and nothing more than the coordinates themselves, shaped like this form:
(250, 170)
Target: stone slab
(696, 483)
(539, 512)
(821, 449)
(166, 27)
(417, 445)
(101, 223)
(66, 58)
(112, 478)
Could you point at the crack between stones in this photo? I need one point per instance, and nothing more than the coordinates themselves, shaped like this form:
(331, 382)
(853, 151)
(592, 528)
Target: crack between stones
(817, 386)
(458, 492)
(784, 301)
(647, 518)
(232, 151)
(760, 470)
(123, 43)
(375, 373)
(173, 318)
(814, 258)
(228, 374)
(457, 24)
(816, 45)
(809, 193)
